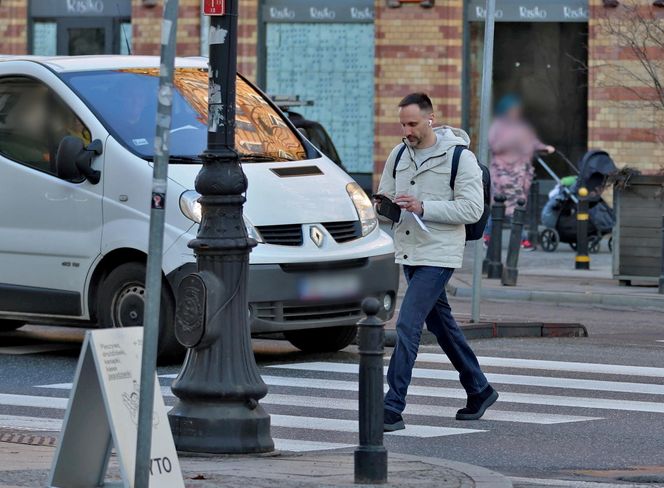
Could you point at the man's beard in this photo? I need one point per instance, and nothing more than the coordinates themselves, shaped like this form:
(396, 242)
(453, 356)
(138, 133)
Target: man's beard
(416, 141)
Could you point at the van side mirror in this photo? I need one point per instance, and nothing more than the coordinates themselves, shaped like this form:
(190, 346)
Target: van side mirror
(73, 161)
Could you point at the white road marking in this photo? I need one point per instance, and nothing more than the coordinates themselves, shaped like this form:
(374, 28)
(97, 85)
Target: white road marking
(294, 445)
(342, 425)
(505, 379)
(289, 421)
(553, 365)
(426, 410)
(331, 403)
(437, 392)
(33, 401)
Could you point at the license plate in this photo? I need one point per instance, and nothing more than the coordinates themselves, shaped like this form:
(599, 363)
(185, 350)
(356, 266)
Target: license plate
(327, 287)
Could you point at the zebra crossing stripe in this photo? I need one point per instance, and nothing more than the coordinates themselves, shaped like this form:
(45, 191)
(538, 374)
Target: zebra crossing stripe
(506, 397)
(55, 425)
(505, 379)
(552, 365)
(424, 410)
(33, 401)
(288, 421)
(294, 445)
(342, 425)
(331, 403)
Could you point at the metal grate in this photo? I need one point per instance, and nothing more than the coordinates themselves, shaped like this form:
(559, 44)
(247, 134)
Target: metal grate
(344, 231)
(282, 235)
(304, 312)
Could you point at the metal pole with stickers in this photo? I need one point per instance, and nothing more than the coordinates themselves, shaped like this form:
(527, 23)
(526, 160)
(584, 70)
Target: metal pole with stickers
(485, 114)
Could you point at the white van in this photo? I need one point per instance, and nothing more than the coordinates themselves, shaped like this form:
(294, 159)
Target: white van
(73, 246)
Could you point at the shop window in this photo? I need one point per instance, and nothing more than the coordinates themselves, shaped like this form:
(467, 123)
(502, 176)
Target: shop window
(333, 65)
(44, 35)
(33, 121)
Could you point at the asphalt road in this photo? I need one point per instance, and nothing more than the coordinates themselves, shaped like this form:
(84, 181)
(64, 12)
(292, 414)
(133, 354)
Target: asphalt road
(567, 411)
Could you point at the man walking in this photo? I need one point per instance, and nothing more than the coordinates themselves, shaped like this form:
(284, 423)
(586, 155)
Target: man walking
(430, 252)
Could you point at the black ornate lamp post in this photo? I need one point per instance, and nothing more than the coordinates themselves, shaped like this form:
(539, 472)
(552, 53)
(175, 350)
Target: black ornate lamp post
(219, 386)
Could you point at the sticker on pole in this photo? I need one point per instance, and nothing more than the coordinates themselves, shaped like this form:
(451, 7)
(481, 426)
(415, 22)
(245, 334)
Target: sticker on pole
(214, 7)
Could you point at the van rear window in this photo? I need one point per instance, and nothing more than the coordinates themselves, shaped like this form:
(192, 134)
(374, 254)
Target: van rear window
(126, 102)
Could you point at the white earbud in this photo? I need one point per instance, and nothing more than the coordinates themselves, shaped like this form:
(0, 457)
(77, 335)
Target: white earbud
(430, 122)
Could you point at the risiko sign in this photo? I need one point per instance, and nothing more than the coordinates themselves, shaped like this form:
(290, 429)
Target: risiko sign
(531, 11)
(315, 11)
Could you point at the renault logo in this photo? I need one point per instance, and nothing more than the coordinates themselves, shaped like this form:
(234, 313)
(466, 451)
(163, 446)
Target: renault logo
(316, 236)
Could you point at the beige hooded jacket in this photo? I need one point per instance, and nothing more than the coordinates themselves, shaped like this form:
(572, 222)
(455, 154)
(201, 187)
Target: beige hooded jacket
(445, 211)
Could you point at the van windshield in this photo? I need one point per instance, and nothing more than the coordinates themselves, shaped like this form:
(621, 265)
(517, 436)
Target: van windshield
(126, 102)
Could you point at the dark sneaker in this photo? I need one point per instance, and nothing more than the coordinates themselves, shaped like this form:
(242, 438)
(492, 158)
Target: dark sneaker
(392, 421)
(477, 404)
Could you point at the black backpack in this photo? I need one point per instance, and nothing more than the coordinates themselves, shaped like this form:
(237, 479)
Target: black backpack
(473, 231)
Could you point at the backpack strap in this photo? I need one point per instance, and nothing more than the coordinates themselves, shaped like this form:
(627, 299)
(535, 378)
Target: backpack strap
(455, 164)
(396, 161)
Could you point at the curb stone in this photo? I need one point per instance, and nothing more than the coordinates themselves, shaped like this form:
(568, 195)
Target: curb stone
(607, 299)
(482, 477)
(497, 330)
(479, 476)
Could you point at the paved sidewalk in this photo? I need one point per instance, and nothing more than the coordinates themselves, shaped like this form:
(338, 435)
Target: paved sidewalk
(23, 465)
(551, 277)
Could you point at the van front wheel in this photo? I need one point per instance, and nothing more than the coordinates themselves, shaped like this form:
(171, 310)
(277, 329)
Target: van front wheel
(121, 301)
(327, 339)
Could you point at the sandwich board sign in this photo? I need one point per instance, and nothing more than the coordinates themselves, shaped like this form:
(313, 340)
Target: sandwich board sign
(103, 414)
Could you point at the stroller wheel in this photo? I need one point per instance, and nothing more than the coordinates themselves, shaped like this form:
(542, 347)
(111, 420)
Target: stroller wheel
(549, 240)
(573, 246)
(611, 244)
(594, 244)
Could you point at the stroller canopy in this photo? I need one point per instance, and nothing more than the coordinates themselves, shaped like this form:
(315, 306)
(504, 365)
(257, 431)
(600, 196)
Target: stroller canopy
(594, 168)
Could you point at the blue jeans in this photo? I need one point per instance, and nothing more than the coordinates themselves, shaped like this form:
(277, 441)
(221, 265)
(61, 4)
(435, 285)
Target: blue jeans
(426, 300)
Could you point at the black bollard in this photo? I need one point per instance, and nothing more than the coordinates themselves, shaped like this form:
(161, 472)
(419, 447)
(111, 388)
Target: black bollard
(661, 268)
(494, 266)
(511, 271)
(371, 455)
(582, 256)
(533, 213)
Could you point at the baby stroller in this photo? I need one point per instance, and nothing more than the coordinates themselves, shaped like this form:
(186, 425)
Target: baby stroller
(559, 213)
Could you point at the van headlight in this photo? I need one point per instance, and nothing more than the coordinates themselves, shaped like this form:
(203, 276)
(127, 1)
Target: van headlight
(191, 208)
(363, 206)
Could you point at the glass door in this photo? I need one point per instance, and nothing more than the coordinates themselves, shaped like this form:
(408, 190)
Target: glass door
(85, 37)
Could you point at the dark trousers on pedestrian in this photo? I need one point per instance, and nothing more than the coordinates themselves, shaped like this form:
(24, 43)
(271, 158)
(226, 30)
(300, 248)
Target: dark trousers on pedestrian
(426, 301)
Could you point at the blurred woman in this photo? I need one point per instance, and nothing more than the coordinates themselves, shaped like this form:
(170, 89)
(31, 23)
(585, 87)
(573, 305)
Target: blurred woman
(513, 143)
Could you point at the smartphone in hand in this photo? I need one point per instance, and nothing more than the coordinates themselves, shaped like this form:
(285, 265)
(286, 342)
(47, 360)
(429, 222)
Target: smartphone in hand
(387, 208)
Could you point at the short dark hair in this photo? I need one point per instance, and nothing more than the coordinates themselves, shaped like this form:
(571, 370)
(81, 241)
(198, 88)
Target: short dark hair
(420, 99)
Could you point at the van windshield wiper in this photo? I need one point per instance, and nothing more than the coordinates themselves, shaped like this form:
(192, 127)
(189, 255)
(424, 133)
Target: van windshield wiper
(260, 158)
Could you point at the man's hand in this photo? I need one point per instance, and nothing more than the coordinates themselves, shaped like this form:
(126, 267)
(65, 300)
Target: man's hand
(550, 149)
(410, 203)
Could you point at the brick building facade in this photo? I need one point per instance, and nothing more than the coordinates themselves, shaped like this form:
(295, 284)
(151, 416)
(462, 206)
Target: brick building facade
(422, 49)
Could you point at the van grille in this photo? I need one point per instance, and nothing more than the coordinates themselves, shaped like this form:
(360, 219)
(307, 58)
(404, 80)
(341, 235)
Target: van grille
(324, 265)
(282, 235)
(303, 312)
(344, 231)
